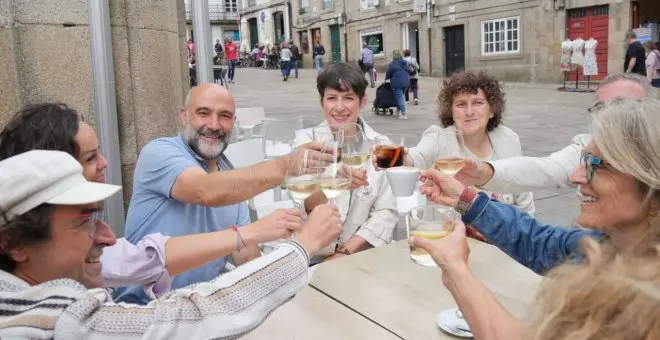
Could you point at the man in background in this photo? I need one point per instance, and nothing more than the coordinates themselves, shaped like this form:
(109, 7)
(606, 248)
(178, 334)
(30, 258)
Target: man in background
(231, 53)
(295, 56)
(367, 57)
(635, 61)
(285, 61)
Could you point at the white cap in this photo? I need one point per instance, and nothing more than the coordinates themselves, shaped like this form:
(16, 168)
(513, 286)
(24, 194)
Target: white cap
(36, 177)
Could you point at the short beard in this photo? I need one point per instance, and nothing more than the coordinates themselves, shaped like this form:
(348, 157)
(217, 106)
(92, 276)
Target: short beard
(204, 149)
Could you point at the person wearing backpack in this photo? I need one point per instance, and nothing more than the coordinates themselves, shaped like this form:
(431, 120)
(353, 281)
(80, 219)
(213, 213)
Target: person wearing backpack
(652, 63)
(413, 70)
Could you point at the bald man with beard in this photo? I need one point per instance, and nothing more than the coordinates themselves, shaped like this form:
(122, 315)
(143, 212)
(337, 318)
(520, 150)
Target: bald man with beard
(185, 185)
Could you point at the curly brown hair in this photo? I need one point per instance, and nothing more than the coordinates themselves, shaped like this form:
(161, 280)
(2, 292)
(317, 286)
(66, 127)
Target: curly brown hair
(471, 82)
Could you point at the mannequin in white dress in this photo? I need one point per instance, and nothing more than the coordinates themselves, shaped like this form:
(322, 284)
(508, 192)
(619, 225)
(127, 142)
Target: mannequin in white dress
(566, 52)
(590, 63)
(578, 57)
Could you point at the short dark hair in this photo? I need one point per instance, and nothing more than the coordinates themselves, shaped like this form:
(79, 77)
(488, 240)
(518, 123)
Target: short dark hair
(48, 126)
(471, 82)
(33, 227)
(406, 53)
(342, 77)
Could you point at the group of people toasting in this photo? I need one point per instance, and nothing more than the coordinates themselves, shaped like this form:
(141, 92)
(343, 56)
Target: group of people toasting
(187, 216)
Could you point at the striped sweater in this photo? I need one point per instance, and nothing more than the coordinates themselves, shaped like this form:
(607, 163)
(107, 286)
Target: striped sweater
(225, 308)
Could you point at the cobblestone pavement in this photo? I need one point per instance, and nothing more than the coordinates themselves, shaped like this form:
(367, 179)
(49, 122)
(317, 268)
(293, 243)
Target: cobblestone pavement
(545, 119)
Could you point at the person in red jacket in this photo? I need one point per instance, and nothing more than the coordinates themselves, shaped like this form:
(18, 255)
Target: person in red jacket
(231, 53)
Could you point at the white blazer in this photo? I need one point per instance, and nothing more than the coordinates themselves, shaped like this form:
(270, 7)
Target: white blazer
(506, 144)
(373, 217)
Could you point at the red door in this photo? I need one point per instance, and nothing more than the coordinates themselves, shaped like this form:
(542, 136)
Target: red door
(590, 22)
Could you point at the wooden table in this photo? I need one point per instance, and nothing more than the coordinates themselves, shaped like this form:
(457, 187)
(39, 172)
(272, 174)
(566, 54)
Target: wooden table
(384, 285)
(312, 315)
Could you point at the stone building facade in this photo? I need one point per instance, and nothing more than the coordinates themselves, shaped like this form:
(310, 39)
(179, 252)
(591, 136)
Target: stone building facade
(223, 15)
(319, 21)
(514, 40)
(266, 22)
(46, 57)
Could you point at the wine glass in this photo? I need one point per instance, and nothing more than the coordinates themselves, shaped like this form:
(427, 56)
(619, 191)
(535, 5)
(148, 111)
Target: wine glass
(452, 161)
(357, 152)
(431, 222)
(302, 177)
(329, 133)
(337, 177)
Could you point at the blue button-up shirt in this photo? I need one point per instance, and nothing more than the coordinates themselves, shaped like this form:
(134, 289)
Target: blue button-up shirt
(153, 210)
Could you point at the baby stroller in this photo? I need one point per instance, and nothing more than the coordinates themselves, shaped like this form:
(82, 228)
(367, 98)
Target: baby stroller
(385, 99)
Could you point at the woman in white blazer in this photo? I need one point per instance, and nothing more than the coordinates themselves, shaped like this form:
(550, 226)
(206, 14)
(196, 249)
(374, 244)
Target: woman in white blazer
(472, 103)
(368, 220)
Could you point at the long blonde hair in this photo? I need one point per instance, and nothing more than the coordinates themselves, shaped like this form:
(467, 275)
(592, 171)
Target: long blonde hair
(610, 296)
(627, 133)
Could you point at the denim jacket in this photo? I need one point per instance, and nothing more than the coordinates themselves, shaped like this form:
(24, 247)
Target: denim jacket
(533, 244)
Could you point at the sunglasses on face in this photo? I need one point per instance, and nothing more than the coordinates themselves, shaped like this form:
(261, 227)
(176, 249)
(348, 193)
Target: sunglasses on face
(591, 162)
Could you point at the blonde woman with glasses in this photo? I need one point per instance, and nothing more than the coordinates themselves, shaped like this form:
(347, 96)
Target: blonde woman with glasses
(618, 184)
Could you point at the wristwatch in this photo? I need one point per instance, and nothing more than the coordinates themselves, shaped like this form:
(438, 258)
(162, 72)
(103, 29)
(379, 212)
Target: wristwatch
(343, 250)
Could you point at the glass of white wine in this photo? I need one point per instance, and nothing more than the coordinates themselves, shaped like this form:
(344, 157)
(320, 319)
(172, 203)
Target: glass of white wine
(452, 161)
(357, 150)
(431, 222)
(302, 177)
(337, 177)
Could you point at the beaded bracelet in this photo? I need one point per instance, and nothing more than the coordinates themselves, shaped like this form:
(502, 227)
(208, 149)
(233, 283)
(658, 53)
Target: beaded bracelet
(465, 200)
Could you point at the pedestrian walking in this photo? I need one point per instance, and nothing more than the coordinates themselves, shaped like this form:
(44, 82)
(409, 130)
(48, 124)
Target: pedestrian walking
(399, 78)
(367, 58)
(652, 63)
(231, 52)
(635, 61)
(414, 76)
(319, 52)
(285, 61)
(295, 57)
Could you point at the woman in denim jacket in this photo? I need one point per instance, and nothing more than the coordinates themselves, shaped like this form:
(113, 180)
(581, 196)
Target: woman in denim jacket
(619, 186)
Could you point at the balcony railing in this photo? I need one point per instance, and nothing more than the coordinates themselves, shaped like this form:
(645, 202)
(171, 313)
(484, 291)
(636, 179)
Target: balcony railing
(303, 10)
(327, 4)
(216, 13)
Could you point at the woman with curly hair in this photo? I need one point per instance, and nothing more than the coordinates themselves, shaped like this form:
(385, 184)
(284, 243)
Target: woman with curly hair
(472, 103)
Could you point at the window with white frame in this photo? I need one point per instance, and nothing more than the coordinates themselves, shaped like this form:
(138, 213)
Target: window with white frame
(500, 36)
(374, 40)
(366, 4)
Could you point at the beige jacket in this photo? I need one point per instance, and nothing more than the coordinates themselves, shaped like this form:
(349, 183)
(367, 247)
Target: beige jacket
(506, 144)
(373, 217)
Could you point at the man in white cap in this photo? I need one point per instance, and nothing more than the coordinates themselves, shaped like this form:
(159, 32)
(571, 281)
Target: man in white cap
(51, 238)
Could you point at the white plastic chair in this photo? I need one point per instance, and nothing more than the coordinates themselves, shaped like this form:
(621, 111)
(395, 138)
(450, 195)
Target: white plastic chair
(245, 153)
(278, 135)
(248, 118)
